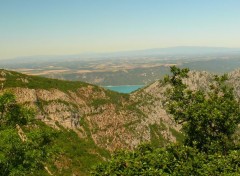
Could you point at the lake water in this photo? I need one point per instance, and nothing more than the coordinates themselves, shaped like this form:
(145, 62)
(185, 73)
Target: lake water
(124, 88)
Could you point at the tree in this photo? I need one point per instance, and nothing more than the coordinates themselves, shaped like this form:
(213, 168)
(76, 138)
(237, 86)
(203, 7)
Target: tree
(209, 118)
(12, 113)
(172, 160)
(17, 156)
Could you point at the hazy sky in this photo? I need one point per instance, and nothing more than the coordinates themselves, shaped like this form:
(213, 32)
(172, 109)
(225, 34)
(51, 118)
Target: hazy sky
(44, 27)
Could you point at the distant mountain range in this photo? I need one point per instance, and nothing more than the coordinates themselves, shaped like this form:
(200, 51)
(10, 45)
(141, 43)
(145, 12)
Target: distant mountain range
(181, 50)
(171, 51)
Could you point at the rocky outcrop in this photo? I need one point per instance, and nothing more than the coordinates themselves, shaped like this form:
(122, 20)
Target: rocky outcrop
(234, 80)
(112, 121)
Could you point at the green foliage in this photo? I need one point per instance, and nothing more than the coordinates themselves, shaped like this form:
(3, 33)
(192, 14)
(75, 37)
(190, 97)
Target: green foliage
(63, 152)
(209, 118)
(75, 155)
(117, 98)
(23, 158)
(209, 121)
(99, 102)
(179, 135)
(12, 113)
(19, 156)
(14, 79)
(172, 160)
(157, 138)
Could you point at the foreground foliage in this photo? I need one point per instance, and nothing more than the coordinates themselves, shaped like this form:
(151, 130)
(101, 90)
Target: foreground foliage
(28, 146)
(209, 117)
(170, 160)
(209, 120)
(21, 153)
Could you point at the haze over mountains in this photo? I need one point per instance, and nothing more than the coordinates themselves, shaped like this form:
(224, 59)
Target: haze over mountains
(170, 51)
(139, 67)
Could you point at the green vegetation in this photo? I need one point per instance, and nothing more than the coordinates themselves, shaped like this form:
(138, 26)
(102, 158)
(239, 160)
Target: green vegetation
(75, 155)
(15, 79)
(28, 146)
(209, 121)
(209, 118)
(156, 137)
(174, 160)
(179, 136)
(21, 153)
(98, 102)
(208, 144)
(117, 98)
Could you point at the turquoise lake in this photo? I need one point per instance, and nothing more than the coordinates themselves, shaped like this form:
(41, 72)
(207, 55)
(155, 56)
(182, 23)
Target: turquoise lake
(124, 88)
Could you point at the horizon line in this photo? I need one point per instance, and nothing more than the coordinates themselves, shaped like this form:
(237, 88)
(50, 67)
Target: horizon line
(118, 51)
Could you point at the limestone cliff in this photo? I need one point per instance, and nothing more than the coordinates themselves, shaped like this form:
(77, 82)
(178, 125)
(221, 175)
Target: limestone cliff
(111, 119)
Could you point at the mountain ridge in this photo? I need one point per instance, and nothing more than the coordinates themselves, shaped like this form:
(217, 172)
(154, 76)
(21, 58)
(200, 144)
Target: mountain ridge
(111, 120)
(108, 114)
(175, 50)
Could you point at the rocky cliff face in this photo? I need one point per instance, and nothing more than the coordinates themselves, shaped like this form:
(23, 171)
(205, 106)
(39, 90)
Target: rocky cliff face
(150, 100)
(111, 119)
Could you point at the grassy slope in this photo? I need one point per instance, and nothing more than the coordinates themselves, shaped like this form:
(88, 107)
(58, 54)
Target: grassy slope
(15, 79)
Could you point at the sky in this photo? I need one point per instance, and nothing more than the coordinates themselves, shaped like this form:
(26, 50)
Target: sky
(62, 27)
